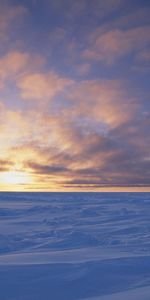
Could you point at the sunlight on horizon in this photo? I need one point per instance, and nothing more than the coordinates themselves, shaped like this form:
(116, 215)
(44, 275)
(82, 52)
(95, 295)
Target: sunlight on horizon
(74, 107)
(15, 178)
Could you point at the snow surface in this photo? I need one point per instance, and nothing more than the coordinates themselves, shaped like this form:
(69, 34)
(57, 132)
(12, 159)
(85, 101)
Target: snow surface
(73, 246)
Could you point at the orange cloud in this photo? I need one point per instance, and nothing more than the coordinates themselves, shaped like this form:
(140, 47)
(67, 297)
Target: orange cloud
(14, 127)
(12, 63)
(42, 86)
(74, 133)
(89, 135)
(15, 63)
(103, 101)
(113, 44)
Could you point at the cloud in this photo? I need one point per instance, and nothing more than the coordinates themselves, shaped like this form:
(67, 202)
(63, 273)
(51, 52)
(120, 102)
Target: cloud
(10, 14)
(74, 10)
(11, 64)
(113, 44)
(143, 56)
(104, 8)
(104, 102)
(66, 116)
(10, 17)
(14, 128)
(16, 63)
(83, 69)
(42, 87)
(92, 136)
(5, 165)
(47, 169)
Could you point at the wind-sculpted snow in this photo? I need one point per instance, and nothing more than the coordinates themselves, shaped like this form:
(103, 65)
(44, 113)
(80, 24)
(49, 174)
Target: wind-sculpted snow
(67, 246)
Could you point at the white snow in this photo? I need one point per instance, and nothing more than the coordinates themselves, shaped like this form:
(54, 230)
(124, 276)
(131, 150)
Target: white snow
(135, 294)
(68, 246)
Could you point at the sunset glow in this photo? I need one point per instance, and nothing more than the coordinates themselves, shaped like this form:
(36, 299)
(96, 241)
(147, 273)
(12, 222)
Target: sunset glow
(74, 95)
(15, 178)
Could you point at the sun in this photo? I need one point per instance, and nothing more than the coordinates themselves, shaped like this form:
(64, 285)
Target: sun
(15, 178)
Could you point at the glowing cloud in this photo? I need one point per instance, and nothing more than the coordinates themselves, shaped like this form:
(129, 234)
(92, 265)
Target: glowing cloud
(74, 107)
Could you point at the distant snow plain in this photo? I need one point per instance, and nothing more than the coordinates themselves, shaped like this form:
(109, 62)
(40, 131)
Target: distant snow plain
(74, 246)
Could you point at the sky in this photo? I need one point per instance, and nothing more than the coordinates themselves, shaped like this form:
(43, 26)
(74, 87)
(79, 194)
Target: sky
(74, 95)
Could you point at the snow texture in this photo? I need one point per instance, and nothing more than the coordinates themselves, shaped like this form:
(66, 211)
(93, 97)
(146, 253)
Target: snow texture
(74, 246)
